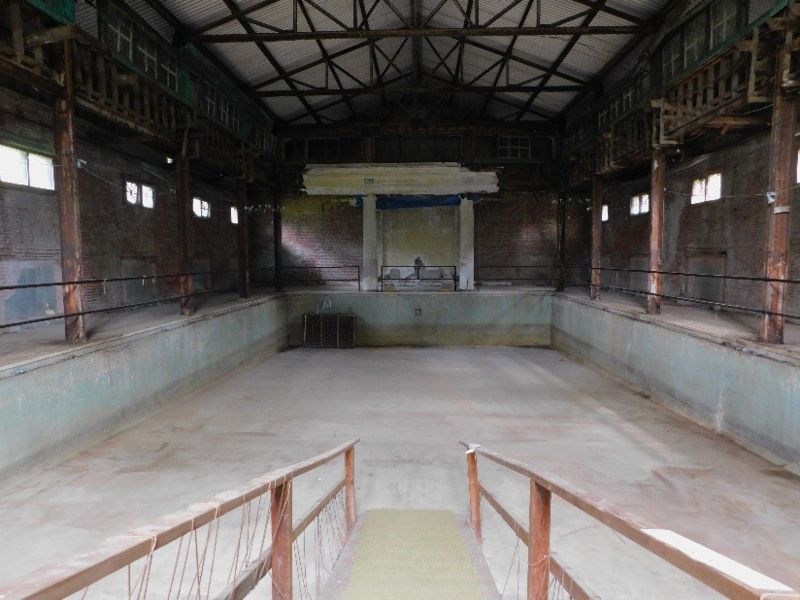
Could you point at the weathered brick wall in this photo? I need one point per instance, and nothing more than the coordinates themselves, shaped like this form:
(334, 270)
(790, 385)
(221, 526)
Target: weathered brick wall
(119, 239)
(320, 231)
(728, 234)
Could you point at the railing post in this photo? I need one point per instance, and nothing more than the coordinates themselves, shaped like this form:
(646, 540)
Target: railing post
(597, 235)
(350, 486)
(474, 492)
(539, 543)
(281, 515)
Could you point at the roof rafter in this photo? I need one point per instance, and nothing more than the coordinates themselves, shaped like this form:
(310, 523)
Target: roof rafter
(416, 32)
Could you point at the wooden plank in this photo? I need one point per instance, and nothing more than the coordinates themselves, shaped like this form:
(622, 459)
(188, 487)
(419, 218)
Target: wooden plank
(350, 490)
(474, 493)
(597, 235)
(783, 154)
(658, 185)
(281, 514)
(539, 543)
(66, 184)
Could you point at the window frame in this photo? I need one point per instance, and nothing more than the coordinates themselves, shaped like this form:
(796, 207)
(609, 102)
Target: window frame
(702, 182)
(642, 203)
(27, 169)
(204, 207)
(130, 183)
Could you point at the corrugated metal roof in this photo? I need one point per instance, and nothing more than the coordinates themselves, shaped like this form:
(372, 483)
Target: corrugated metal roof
(249, 63)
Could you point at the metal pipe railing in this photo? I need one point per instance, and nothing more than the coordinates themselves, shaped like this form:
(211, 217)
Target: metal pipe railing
(417, 274)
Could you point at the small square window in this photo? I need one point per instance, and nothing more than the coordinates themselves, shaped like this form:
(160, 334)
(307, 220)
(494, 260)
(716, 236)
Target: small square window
(234, 215)
(644, 205)
(132, 192)
(707, 189)
(635, 205)
(148, 196)
(604, 213)
(201, 208)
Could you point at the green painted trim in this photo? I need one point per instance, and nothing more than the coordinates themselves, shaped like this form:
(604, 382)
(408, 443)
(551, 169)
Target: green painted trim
(62, 11)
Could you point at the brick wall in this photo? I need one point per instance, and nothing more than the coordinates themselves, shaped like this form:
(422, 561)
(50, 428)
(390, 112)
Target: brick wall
(726, 236)
(119, 239)
(516, 236)
(321, 231)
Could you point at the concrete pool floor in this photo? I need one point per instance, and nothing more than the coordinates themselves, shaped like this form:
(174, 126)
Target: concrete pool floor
(410, 407)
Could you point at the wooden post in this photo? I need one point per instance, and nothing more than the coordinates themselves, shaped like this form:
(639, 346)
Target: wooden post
(539, 543)
(350, 486)
(277, 231)
(474, 493)
(66, 180)
(782, 157)
(244, 239)
(597, 235)
(281, 515)
(183, 201)
(561, 281)
(658, 185)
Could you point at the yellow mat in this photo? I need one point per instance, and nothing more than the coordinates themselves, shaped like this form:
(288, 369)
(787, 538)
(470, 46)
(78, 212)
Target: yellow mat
(412, 554)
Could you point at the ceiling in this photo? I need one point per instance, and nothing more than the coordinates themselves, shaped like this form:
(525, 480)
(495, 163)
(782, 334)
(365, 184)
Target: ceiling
(323, 61)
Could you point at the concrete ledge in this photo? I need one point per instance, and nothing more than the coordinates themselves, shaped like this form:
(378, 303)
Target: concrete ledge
(751, 396)
(433, 318)
(66, 400)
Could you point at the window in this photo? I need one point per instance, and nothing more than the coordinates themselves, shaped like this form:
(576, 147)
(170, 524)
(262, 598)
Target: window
(723, 21)
(604, 213)
(514, 146)
(694, 41)
(120, 35)
(234, 215)
(797, 168)
(707, 189)
(640, 204)
(24, 168)
(139, 194)
(671, 58)
(201, 208)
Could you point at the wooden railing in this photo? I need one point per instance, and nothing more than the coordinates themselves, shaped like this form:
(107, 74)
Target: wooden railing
(104, 85)
(716, 571)
(270, 495)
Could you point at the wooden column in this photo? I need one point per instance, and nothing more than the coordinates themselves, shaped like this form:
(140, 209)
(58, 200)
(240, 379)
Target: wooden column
(782, 157)
(183, 200)
(244, 238)
(281, 515)
(474, 493)
(277, 232)
(658, 185)
(350, 486)
(561, 281)
(539, 543)
(66, 183)
(597, 234)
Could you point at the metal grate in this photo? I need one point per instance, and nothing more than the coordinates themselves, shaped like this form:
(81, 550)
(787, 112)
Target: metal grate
(329, 331)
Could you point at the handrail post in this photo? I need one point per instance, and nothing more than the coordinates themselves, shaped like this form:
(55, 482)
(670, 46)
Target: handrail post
(350, 486)
(474, 493)
(539, 542)
(281, 515)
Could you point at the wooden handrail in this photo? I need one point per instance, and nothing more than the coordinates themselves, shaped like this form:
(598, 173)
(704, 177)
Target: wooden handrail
(53, 583)
(718, 572)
